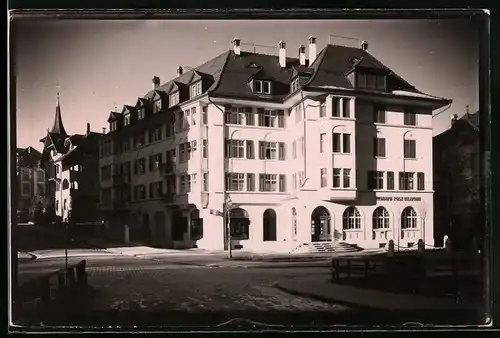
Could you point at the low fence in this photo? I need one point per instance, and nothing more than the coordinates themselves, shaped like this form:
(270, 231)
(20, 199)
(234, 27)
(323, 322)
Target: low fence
(57, 286)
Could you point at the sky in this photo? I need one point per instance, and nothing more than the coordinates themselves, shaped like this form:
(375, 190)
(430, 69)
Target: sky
(99, 65)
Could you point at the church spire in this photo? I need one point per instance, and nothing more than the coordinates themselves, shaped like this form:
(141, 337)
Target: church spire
(58, 127)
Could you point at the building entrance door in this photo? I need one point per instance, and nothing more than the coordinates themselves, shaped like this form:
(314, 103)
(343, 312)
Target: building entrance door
(320, 225)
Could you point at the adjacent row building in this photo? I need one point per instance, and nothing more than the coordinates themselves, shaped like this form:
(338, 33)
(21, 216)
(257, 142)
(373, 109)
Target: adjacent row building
(71, 164)
(322, 147)
(457, 181)
(30, 182)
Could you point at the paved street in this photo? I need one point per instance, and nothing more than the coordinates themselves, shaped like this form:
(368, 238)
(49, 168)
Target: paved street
(126, 284)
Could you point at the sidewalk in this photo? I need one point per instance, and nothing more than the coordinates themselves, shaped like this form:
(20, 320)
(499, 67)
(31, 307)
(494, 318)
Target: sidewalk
(320, 288)
(298, 257)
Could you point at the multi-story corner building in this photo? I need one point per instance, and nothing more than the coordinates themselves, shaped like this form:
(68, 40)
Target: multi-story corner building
(72, 167)
(457, 181)
(330, 147)
(31, 181)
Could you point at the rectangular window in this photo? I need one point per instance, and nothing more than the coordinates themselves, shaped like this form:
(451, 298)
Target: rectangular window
(322, 143)
(250, 149)
(380, 82)
(235, 115)
(390, 180)
(267, 182)
(336, 177)
(281, 151)
(182, 179)
(379, 114)
(156, 106)
(420, 181)
(205, 181)
(335, 107)
(406, 181)
(26, 189)
(195, 89)
(410, 149)
(204, 117)
(250, 182)
(271, 118)
(267, 150)
(174, 99)
(204, 149)
(294, 149)
(155, 135)
(410, 119)
(235, 182)
(126, 120)
(262, 87)
(193, 116)
(375, 179)
(302, 146)
(188, 183)
(282, 183)
(336, 142)
(155, 162)
(346, 107)
(346, 143)
(379, 147)
(322, 110)
(249, 116)
(235, 148)
(347, 177)
(323, 177)
(140, 140)
(371, 81)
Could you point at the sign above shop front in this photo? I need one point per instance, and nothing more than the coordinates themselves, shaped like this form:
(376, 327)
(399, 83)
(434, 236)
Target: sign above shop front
(400, 199)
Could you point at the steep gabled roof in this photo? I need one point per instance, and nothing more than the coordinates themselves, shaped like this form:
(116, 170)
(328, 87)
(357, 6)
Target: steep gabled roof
(58, 127)
(113, 116)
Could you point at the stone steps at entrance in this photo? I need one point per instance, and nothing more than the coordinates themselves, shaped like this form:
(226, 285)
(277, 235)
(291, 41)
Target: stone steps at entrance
(325, 247)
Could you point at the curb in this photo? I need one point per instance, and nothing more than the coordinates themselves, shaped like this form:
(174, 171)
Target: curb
(323, 299)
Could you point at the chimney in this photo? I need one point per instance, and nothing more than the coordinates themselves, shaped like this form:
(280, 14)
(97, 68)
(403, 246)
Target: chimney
(88, 128)
(104, 130)
(364, 46)
(467, 110)
(156, 82)
(302, 55)
(180, 71)
(282, 53)
(236, 46)
(454, 119)
(312, 49)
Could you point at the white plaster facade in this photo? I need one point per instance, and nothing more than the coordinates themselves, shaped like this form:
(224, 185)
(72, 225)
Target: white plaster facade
(304, 196)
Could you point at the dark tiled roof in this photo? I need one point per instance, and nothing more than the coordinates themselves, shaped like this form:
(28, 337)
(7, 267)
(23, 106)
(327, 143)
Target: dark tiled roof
(472, 119)
(113, 116)
(233, 81)
(210, 70)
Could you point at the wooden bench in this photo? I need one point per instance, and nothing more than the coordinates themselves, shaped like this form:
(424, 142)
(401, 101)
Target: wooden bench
(347, 265)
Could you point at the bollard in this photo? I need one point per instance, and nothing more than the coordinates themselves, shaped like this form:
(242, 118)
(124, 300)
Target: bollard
(390, 248)
(421, 246)
(447, 244)
(126, 234)
(81, 274)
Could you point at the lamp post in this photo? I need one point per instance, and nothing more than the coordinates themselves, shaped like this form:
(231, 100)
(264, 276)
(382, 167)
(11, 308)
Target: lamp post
(227, 206)
(405, 185)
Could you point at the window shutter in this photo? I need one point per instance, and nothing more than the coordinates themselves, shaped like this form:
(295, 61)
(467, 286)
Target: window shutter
(402, 185)
(282, 183)
(281, 151)
(261, 182)
(281, 119)
(250, 154)
(261, 150)
(382, 147)
(375, 147)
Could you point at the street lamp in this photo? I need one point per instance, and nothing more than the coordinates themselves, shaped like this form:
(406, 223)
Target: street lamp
(228, 205)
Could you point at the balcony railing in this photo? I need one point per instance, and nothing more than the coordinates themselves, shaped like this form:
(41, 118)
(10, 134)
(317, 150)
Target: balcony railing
(167, 168)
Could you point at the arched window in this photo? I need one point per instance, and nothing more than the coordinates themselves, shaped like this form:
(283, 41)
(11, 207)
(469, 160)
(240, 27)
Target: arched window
(408, 218)
(294, 222)
(351, 219)
(65, 184)
(380, 218)
(65, 206)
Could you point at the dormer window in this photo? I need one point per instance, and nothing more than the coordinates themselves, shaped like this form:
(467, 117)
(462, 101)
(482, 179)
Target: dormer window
(113, 126)
(157, 106)
(126, 120)
(174, 99)
(141, 113)
(262, 87)
(370, 81)
(295, 85)
(195, 89)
